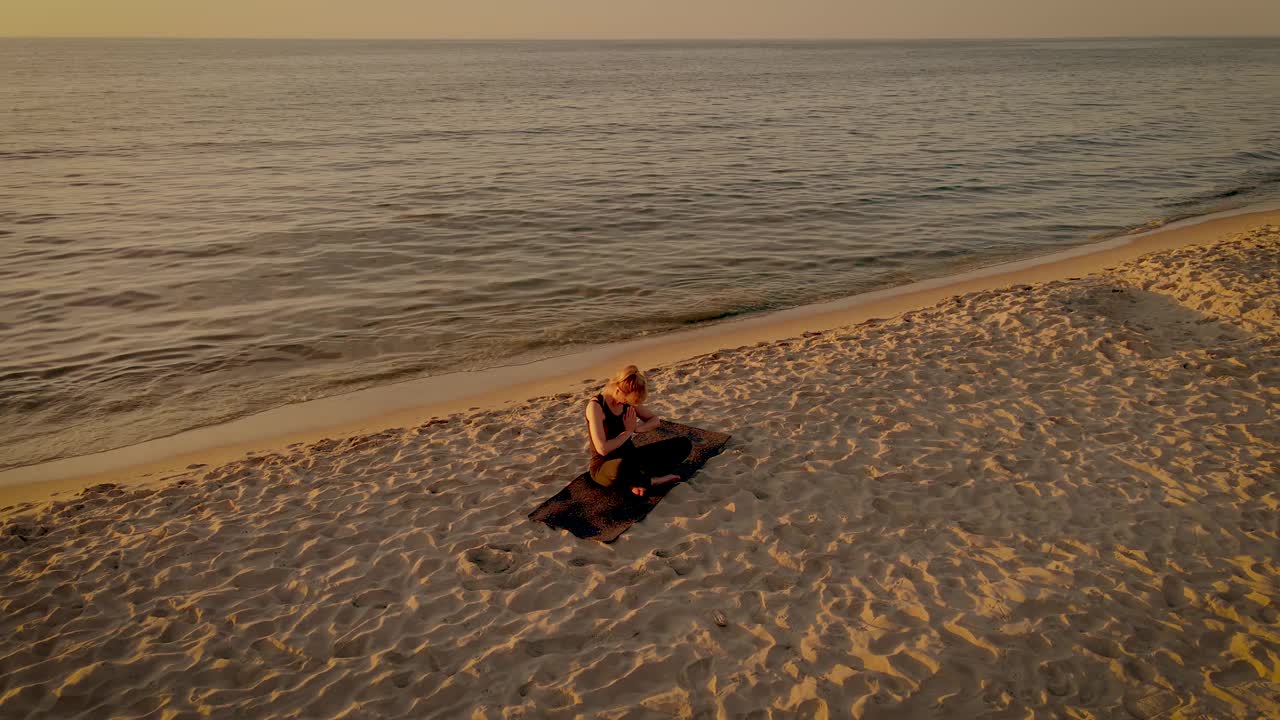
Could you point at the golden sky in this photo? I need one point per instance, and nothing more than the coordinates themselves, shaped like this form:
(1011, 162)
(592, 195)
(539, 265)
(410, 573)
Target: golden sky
(637, 18)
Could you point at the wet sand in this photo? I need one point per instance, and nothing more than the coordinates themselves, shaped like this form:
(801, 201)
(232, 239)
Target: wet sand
(1051, 497)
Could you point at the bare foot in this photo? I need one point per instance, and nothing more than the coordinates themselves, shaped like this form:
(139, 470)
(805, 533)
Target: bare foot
(665, 479)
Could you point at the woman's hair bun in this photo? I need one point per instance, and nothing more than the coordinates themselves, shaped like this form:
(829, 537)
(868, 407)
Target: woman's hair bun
(630, 383)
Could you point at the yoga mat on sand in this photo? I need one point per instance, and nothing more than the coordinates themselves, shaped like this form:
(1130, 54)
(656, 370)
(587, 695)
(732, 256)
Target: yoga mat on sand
(597, 513)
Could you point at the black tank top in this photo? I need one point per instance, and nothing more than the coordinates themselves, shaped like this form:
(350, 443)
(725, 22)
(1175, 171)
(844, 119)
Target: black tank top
(614, 425)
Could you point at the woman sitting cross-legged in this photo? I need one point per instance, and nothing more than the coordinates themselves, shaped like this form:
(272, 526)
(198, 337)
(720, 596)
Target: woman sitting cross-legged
(613, 417)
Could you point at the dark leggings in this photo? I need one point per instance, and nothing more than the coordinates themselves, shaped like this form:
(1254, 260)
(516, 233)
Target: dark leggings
(638, 467)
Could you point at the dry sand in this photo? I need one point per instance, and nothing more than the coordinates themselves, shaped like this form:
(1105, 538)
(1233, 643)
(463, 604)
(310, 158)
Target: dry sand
(1051, 500)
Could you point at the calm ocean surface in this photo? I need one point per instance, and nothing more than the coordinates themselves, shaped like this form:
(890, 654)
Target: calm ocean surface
(191, 231)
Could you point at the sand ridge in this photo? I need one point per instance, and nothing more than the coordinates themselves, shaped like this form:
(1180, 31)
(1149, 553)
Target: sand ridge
(1051, 500)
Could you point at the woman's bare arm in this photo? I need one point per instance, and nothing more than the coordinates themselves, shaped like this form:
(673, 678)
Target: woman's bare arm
(595, 423)
(649, 420)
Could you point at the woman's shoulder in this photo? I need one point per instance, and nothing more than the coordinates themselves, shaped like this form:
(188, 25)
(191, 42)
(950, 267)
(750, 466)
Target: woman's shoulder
(594, 405)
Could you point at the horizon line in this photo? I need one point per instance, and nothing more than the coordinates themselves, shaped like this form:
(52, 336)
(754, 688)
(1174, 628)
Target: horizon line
(735, 38)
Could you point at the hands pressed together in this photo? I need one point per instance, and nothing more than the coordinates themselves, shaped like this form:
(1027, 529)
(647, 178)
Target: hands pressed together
(633, 424)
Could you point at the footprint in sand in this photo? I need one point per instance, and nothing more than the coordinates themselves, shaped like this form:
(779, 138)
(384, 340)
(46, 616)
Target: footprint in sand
(1101, 646)
(1057, 678)
(1171, 589)
(678, 549)
(1236, 673)
(491, 559)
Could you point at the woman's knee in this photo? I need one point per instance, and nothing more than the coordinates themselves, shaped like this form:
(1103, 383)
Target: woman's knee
(607, 474)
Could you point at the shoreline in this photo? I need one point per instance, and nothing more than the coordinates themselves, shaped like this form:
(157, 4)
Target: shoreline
(414, 402)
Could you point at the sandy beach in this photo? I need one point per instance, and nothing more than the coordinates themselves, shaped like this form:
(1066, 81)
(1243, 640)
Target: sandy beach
(1054, 498)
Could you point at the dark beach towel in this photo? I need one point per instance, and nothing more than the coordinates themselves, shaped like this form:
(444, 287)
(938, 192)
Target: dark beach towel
(597, 513)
